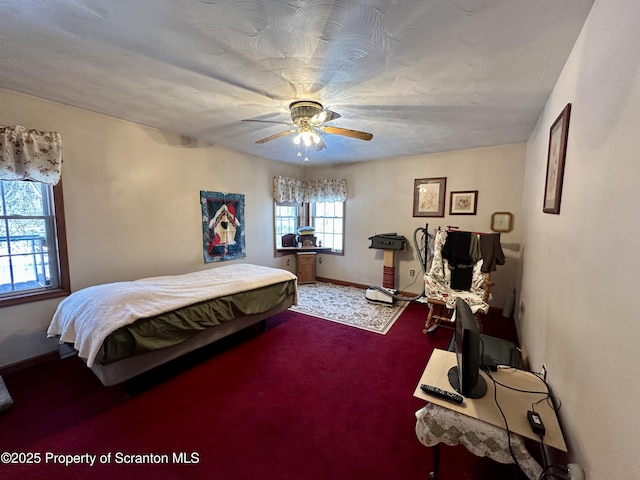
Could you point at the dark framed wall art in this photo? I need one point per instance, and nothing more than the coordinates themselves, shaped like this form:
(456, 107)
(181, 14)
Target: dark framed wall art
(429, 197)
(555, 161)
(463, 203)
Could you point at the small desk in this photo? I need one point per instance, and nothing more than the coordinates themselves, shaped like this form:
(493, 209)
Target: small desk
(306, 267)
(478, 423)
(305, 261)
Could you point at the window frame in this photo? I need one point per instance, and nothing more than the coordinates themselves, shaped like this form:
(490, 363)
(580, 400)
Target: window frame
(275, 216)
(64, 282)
(305, 218)
(312, 221)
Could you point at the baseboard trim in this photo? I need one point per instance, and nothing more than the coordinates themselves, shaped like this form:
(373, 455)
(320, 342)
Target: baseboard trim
(29, 362)
(342, 282)
(358, 285)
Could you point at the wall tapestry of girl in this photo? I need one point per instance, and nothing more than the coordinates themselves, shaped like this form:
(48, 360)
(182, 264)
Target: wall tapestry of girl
(222, 226)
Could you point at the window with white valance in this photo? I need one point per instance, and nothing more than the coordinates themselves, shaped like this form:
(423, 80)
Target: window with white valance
(319, 203)
(33, 254)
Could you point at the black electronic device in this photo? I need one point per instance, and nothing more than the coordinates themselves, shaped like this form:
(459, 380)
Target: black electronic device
(437, 392)
(536, 422)
(387, 241)
(465, 377)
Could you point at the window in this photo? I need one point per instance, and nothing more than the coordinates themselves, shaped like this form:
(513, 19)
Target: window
(33, 255)
(286, 220)
(328, 220)
(326, 217)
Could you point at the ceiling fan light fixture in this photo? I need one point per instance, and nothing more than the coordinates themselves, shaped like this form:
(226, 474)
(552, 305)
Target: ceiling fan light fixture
(308, 119)
(303, 110)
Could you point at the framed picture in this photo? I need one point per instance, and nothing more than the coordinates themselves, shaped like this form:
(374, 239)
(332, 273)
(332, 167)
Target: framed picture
(555, 161)
(463, 203)
(428, 197)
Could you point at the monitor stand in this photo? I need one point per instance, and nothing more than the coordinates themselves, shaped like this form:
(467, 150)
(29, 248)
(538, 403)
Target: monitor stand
(480, 390)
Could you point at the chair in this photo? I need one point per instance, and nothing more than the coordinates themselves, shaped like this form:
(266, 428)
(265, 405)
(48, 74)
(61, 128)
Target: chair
(442, 298)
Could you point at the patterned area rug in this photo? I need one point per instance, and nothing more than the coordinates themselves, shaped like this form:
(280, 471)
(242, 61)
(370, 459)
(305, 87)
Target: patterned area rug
(346, 305)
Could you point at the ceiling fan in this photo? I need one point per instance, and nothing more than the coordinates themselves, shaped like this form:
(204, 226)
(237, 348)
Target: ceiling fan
(307, 120)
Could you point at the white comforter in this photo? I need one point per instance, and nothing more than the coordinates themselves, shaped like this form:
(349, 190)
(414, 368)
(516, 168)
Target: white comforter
(88, 316)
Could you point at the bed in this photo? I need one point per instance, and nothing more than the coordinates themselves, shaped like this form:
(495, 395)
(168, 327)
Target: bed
(123, 329)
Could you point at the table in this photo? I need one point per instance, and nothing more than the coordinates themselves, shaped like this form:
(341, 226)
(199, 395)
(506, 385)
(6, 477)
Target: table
(478, 424)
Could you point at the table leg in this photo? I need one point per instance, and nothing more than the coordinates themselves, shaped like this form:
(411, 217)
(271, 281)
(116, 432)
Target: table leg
(434, 474)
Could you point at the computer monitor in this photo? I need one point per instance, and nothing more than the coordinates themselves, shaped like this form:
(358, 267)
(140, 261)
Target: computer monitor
(465, 377)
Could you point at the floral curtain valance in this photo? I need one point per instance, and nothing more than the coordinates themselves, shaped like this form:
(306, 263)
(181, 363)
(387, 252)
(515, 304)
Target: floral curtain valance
(326, 190)
(288, 190)
(30, 155)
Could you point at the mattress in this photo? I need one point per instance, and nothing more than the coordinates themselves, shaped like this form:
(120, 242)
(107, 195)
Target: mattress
(174, 327)
(87, 317)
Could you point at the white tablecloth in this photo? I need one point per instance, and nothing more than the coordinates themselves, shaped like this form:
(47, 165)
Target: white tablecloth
(436, 424)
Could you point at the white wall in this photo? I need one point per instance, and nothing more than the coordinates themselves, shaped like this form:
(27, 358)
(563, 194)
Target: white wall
(132, 206)
(580, 268)
(381, 200)
(132, 211)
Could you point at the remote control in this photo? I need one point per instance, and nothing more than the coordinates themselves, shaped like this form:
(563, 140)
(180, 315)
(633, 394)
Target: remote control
(437, 392)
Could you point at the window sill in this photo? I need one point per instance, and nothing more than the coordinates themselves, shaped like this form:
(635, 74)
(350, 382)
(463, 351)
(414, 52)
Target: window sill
(18, 299)
(280, 252)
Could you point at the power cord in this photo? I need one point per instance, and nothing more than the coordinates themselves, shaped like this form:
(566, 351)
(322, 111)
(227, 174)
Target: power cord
(554, 403)
(495, 399)
(546, 473)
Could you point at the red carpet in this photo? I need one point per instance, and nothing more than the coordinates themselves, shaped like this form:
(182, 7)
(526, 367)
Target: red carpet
(308, 399)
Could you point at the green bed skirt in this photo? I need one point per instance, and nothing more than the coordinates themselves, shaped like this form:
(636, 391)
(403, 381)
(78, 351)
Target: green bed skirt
(175, 327)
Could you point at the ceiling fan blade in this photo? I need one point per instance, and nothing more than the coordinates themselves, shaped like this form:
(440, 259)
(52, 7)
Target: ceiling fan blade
(347, 132)
(267, 121)
(323, 117)
(277, 135)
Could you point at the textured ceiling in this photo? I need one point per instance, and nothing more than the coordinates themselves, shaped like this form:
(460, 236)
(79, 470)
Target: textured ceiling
(422, 76)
